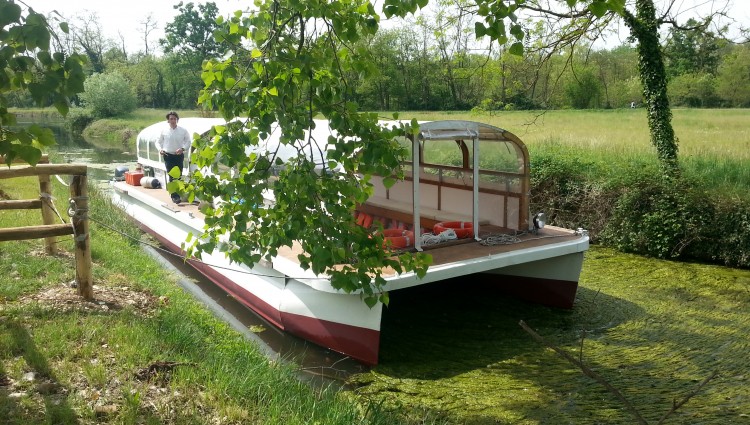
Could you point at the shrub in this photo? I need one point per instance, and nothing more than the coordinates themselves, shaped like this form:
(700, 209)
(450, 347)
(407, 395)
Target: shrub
(108, 95)
(562, 186)
(658, 217)
(77, 120)
(726, 239)
(635, 210)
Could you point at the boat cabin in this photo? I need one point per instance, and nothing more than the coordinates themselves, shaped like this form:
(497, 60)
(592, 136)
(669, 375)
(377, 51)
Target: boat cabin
(468, 175)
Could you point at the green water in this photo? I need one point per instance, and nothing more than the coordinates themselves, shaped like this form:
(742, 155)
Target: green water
(654, 329)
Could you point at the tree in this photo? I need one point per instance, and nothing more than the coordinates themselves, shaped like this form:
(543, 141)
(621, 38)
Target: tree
(89, 37)
(697, 90)
(28, 63)
(108, 95)
(584, 91)
(288, 63)
(147, 26)
(733, 82)
(692, 49)
(190, 35)
(189, 40)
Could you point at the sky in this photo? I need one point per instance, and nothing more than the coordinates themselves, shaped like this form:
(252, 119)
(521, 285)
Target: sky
(126, 16)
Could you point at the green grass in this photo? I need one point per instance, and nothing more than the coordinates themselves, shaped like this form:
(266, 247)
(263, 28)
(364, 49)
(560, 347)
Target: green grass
(66, 361)
(653, 329)
(714, 144)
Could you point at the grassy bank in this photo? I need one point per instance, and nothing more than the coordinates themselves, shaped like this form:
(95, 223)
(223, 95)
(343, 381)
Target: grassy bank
(714, 143)
(143, 351)
(653, 329)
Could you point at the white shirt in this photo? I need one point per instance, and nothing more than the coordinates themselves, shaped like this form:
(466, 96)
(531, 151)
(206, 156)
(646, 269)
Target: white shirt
(172, 139)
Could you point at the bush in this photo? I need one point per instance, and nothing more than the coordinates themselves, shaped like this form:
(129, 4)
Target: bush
(563, 187)
(108, 95)
(658, 217)
(726, 240)
(637, 211)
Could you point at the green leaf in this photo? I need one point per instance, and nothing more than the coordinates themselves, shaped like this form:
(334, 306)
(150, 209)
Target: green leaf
(617, 5)
(479, 29)
(516, 49)
(598, 8)
(388, 182)
(175, 172)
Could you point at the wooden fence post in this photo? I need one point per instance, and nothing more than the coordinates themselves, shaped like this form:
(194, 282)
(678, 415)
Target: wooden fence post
(79, 195)
(48, 217)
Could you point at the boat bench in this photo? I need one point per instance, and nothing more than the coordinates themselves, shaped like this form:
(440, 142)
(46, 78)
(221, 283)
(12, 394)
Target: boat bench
(403, 212)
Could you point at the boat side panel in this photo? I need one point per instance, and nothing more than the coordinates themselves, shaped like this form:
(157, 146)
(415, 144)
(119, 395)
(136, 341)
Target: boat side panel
(360, 343)
(552, 282)
(251, 301)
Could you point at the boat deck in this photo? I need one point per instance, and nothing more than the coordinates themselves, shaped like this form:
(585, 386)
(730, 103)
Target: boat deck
(447, 252)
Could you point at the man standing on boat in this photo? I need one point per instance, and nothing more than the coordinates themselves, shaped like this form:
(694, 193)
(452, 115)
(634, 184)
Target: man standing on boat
(172, 144)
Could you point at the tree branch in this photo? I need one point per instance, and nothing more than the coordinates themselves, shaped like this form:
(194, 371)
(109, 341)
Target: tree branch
(676, 405)
(586, 371)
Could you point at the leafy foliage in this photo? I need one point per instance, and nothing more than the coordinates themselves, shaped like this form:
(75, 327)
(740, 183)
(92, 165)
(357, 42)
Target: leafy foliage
(584, 91)
(108, 95)
(657, 217)
(695, 90)
(189, 40)
(191, 32)
(289, 64)
(693, 50)
(733, 83)
(27, 63)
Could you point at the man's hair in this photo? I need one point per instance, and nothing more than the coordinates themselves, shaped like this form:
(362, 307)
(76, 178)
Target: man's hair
(173, 113)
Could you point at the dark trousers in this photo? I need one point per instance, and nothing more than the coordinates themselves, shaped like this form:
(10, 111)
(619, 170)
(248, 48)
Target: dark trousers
(172, 160)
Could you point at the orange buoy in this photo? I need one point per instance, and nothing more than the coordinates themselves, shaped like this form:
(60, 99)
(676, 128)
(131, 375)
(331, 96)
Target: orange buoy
(398, 238)
(364, 220)
(463, 229)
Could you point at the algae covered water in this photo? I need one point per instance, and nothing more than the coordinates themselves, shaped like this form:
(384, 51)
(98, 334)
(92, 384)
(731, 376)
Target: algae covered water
(654, 329)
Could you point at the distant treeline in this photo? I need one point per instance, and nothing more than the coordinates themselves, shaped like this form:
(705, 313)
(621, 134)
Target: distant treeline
(431, 66)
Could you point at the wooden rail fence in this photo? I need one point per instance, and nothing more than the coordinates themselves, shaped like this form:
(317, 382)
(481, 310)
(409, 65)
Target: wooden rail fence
(78, 211)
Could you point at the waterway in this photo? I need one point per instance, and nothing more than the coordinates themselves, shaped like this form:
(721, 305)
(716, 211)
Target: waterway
(317, 365)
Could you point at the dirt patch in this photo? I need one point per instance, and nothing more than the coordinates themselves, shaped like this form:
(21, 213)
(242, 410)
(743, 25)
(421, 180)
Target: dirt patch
(64, 297)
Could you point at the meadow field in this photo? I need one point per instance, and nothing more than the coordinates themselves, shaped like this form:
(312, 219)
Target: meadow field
(714, 144)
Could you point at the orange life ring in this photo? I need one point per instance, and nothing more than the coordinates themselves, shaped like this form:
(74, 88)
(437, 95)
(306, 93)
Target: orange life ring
(398, 238)
(463, 229)
(364, 220)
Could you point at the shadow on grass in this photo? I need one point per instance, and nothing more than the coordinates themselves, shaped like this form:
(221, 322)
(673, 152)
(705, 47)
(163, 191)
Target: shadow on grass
(654, 333)
(440, 330)
(57, 410)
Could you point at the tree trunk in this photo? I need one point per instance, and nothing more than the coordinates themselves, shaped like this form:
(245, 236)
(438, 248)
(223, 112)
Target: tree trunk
(644, 28)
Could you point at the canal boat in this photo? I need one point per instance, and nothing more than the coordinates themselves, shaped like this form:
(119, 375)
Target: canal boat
(468, 209)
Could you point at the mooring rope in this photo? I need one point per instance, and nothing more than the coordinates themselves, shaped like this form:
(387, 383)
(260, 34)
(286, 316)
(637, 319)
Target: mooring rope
(499, 239)
(432, 239)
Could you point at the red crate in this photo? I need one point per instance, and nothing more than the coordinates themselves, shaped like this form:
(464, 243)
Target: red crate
(133, 178)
